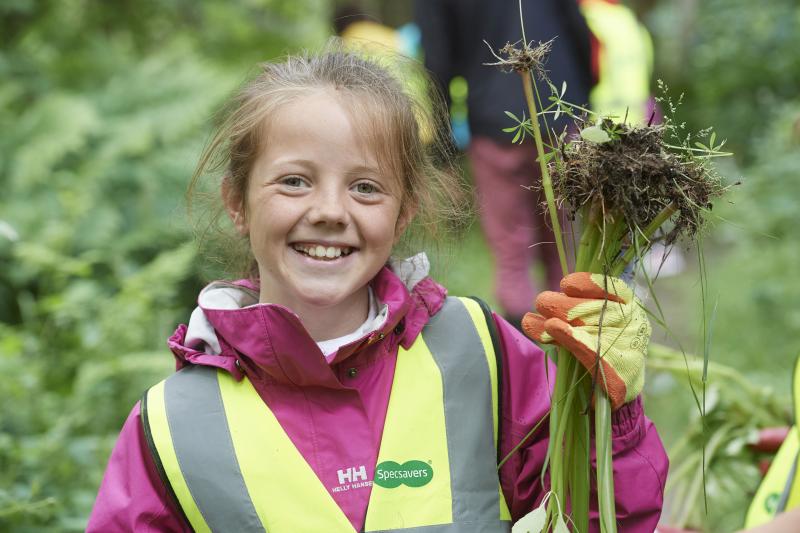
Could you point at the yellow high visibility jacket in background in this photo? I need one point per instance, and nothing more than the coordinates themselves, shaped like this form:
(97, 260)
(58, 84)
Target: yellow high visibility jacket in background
(625, 61)
(780, 489)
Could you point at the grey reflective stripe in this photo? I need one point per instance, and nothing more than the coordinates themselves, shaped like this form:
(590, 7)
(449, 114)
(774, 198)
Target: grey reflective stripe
(492, 526)
(457, 349)
(788, 488)
(197, 423)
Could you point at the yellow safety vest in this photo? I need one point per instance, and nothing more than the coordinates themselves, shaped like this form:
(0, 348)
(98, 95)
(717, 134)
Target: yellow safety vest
(232, 467)
(626, 61)
(780, 488)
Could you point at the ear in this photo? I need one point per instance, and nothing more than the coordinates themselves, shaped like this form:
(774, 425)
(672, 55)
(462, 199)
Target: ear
(407, 214)
(234, 205)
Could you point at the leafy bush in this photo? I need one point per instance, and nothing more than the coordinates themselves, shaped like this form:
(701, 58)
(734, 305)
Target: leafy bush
(104, 113)
(735, 60)
(755, 333)
(758, 318)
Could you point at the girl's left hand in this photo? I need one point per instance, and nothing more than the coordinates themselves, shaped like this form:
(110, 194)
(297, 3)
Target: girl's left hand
(596, 317)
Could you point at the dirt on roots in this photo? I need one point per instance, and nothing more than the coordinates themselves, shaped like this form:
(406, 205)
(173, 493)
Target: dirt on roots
(636, 175)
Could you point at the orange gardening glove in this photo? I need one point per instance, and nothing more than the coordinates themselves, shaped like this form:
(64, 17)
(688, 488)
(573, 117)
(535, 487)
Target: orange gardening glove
(571, 319)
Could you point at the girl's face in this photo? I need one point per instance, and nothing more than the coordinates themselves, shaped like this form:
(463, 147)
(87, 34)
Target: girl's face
(321, 217)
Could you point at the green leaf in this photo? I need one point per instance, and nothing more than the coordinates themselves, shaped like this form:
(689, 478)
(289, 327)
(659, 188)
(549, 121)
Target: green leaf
(512, 115)
(561, 526)
(532, 522)
(528, 126)
(517, 136)
(546, 157)
(510, 129)
(595, 134)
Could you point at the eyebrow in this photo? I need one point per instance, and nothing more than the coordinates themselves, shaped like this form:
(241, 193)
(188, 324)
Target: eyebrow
(360, 169)
(301, 162)
(364, 169)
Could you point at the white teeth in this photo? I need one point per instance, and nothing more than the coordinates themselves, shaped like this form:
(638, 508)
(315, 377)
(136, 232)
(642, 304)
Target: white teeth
(329, 252)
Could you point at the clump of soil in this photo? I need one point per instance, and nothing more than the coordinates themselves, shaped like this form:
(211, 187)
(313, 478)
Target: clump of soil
(636, 175)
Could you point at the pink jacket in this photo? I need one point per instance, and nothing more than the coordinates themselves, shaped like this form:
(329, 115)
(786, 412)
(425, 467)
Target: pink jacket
(334, 413)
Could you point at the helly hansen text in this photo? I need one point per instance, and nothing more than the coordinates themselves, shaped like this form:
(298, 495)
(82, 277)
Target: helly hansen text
(352, 474)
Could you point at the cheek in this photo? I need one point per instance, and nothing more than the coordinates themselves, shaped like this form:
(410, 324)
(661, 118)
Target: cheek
(388, 228)
(268, 213)
(263, 227)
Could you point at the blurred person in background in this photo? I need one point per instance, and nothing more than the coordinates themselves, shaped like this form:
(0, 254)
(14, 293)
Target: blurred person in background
(622, 58)
(360, 30)
(453, 35)
(355, 25)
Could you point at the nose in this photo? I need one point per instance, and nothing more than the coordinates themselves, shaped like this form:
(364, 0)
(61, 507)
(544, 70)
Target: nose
(328, 207)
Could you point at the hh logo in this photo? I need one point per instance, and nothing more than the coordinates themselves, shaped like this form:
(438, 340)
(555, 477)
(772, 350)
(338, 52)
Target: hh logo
(352, 474)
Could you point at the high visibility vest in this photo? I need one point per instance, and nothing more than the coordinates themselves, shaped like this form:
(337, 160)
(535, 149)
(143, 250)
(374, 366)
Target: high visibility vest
(780, 489)
(232, 467)
(626, 61)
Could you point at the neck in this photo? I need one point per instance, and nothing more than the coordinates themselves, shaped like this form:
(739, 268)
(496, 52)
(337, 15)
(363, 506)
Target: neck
(330, 322)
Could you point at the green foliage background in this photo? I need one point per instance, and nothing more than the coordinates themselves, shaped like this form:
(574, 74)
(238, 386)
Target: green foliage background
(736, 65)
(104, 108)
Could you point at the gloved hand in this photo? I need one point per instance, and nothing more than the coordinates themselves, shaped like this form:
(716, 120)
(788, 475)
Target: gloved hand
(571, 319)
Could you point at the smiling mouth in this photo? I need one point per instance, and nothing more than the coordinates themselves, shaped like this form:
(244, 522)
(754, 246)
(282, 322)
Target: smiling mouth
(322, 253)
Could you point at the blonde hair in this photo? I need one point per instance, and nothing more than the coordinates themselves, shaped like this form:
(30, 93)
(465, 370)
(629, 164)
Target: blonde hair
(391, 118)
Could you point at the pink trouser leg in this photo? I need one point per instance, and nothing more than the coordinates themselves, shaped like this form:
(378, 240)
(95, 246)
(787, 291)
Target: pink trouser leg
(512, 219)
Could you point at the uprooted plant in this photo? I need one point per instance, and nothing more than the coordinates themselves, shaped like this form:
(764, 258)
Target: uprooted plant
(626, 186)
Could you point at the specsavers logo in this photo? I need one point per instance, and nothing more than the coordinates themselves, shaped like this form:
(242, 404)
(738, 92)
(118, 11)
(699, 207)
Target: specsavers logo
(390, 474)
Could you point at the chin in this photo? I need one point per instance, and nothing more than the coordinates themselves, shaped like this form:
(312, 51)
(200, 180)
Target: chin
(323, 299)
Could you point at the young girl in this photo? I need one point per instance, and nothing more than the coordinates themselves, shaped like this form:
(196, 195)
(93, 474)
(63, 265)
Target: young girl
(337, 389)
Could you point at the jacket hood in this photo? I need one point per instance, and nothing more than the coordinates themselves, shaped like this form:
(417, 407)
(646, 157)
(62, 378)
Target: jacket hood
(229, 329)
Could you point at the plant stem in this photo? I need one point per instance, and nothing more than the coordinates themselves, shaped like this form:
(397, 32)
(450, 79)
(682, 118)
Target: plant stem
(599, 245)
(560, 416)
(579, 445)
(605, 463)
(658, 221)
(588, 242)
(547, 183)
(661, 357)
